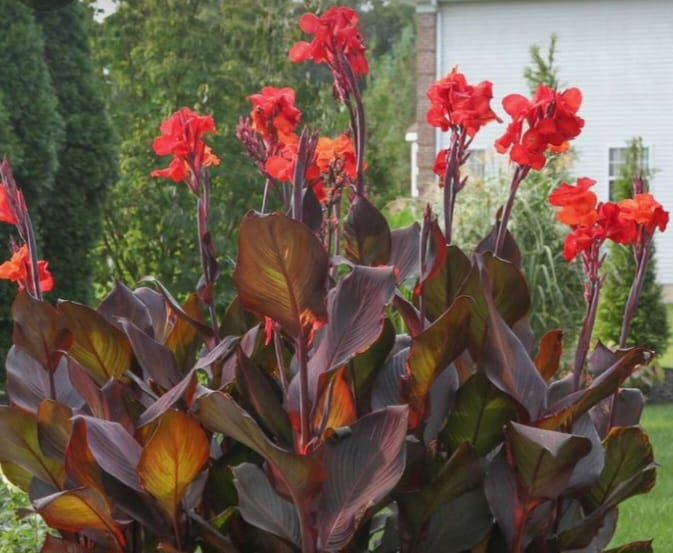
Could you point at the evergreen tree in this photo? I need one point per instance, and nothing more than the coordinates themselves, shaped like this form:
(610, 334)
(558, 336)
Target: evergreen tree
(71, 220)
(650, 325)
(31, 129)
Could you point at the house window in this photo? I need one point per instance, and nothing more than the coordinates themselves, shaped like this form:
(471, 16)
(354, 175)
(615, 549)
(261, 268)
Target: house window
(617, 159)
(476, 164)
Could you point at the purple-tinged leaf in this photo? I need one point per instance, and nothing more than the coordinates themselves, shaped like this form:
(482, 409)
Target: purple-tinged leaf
(80, 509)
(544, 459)
(182, 391)
(356, 311)
(156, 360)
(441, 398)
(265, 398)
(504, 360)
(281, 272)
(510, 249)
(508, 290)
(303, 474)
(311, 210)
(203, 329)
(622, 409)
(436, 252)
(431, 352)
(582, 533)
(601, 359)
(18, 476)
(565, 411)
(39, 330)
(549, 353)
(443, 284)
(366, 234)
(629, 468)
(52, 544)
(361, 469)
(386, 390)
(184, 337)
(404, 252)
(335, 406)
(221, 351)
(364, 367)
(28, 383)
(19, 444)
(458, 525)
(236, 320)
(80, 464)
(589, 468)
(114, 449)
(123, 304)
(54, 428)
(410, 315)
(261, 506)
(101, 348)
(157, 307)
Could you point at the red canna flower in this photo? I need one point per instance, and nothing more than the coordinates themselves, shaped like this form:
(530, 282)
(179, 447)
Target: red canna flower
(336, 154)
(16, 269)
(440, 165)
(274, 115)
(644, 210)
(334, 31)
(6, 212)
(578, 203)
(550, 119)
(454, 102)
(181, 136)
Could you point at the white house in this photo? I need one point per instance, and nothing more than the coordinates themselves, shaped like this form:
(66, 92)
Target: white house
(618, 52)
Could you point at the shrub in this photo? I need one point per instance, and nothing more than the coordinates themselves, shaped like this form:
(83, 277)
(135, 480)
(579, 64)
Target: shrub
(298, 420)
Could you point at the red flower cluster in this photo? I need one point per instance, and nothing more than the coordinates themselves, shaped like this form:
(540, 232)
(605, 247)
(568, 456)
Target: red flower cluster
(645, 211)
(592, 223)
(551, 121)
(274, 115)
(17, 270)
(335, 32)
(454, 102)
(181, 136)
(334, 158)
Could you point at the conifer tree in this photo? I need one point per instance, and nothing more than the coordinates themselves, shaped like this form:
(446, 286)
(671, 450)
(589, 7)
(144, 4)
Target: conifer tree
(71, 220)
(650, 325)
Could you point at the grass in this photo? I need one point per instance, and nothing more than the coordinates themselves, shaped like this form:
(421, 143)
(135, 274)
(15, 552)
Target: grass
(666, 360)
(649, 516)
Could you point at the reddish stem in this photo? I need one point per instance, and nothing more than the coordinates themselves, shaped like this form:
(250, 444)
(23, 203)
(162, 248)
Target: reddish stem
(634, 293)
(519, 175)
(587, 328)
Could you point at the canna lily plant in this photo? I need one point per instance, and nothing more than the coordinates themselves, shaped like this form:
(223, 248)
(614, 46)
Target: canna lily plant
(367, 390)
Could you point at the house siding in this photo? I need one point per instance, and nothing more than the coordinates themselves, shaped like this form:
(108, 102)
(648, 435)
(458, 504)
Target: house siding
(618, 52)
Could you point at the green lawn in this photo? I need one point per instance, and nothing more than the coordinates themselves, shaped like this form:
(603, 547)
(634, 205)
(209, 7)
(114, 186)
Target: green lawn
(650, 516)
(666, 360)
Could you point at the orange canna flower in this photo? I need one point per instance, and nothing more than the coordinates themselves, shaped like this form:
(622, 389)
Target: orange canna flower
(6, 213)
(645, 211)
(577, 202)
(16, 270)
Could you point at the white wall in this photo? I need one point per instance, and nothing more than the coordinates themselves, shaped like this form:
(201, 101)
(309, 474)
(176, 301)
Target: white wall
(618, 52)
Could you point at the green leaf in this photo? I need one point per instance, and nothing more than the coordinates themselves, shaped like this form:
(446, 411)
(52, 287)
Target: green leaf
(544, 459)
(432, 351)
(19, 444)
(261, 506)
(101, 348)
(281, 271)
(366, 234)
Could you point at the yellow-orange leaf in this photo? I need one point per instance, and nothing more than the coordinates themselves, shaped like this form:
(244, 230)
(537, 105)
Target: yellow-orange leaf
(79, 509)
(172, 458)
